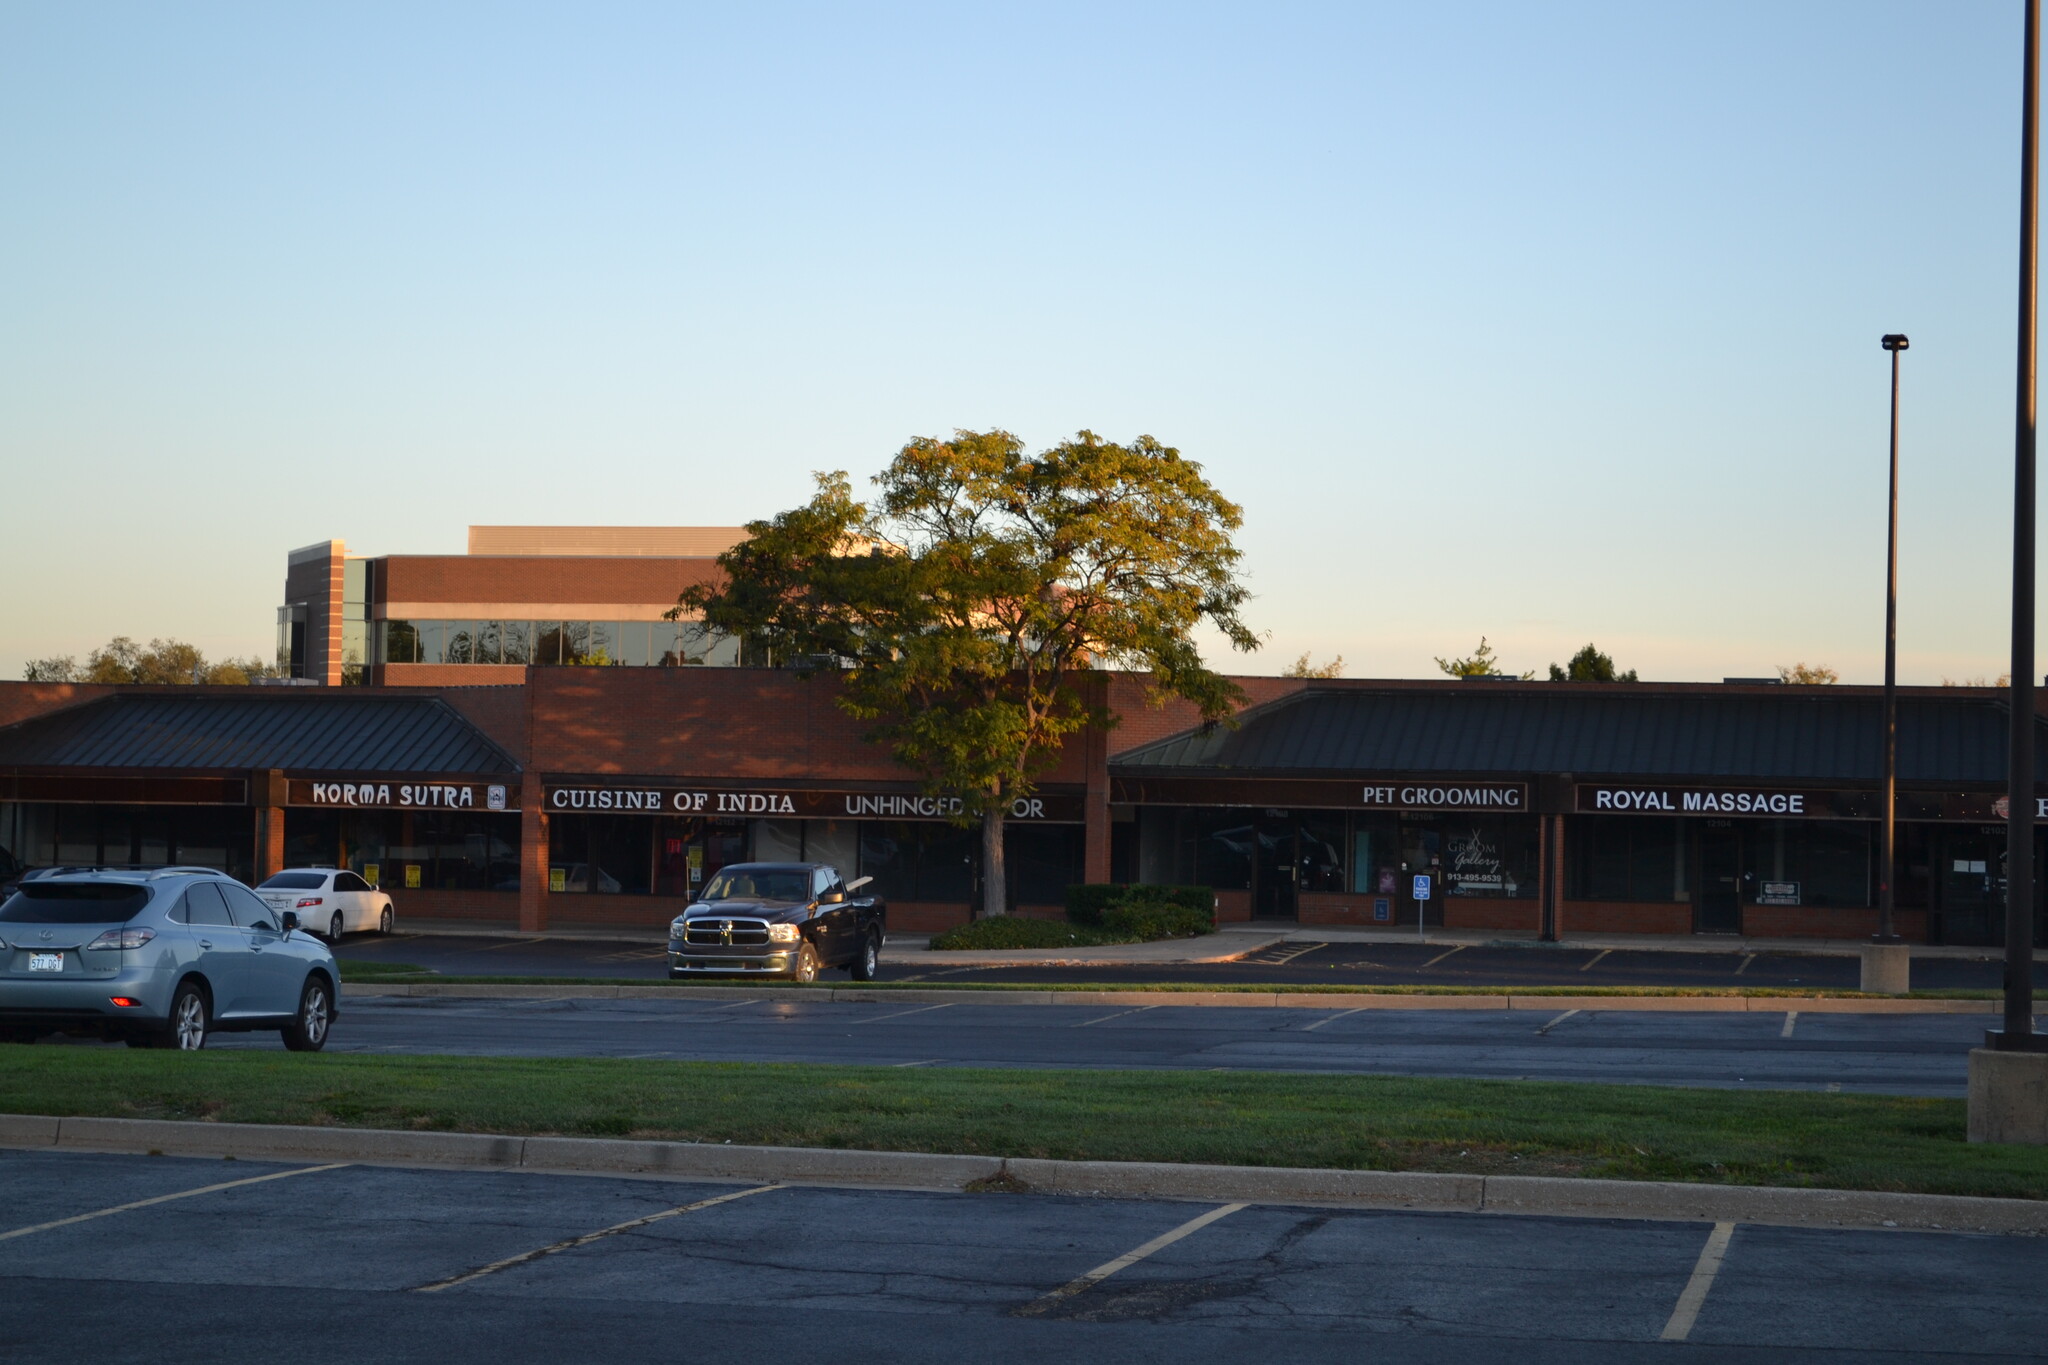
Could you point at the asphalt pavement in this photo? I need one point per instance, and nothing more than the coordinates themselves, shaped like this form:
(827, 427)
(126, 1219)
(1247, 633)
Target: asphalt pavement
(161, 1259)
(1297, 962)
(1915, 1054)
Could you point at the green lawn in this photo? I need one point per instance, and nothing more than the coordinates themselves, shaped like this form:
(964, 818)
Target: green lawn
(1381, 1123)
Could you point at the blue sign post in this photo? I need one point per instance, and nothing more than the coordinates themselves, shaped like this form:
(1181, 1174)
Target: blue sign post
(1421, 900)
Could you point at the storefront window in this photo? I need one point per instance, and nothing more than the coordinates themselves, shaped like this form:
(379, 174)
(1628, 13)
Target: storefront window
(1489, 856)
(42, 834)
(1319, 851)
(1832, 862)
(1627, 858)
(409, 850)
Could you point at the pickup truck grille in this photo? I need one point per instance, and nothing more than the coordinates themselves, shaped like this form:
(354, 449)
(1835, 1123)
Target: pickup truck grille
(709, 930)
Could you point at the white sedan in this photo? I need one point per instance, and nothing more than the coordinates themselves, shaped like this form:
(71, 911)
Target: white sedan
(329, 900)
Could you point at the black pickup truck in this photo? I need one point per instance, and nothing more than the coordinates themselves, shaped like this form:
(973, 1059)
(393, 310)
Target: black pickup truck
(778, 919)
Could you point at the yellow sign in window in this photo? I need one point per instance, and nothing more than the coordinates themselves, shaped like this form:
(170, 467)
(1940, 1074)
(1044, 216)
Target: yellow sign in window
(412, 875)
(370, 871)
(558, 879)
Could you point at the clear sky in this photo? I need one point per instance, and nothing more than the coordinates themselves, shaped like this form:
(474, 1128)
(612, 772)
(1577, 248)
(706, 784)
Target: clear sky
(1549, 322)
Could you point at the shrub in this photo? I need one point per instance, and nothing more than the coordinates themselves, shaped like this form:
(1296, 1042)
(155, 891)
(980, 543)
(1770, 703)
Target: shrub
(1087, 901)
(1146, 920)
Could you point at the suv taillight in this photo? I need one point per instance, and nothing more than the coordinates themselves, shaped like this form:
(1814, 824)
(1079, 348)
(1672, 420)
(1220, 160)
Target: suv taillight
(122, 938)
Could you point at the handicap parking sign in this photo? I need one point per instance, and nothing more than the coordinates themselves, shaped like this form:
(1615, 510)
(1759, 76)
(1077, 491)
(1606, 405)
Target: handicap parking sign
(1422, 886)
(1382, 909)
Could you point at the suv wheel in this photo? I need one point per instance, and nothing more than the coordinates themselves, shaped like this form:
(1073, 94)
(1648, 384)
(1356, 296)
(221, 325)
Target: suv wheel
(308, 1029)
(869, 960)
(188, 1025)
(807, 964)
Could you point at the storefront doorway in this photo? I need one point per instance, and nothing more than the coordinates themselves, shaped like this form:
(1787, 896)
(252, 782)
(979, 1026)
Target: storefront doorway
(1717, 905)
(1274, 880)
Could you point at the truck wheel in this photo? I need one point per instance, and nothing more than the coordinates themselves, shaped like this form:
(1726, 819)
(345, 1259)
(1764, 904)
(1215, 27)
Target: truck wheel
(869, 960)
(807, 964)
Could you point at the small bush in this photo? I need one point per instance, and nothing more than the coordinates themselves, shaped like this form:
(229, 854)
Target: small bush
(1087, 901)
(1015, 931)
(1146, 920)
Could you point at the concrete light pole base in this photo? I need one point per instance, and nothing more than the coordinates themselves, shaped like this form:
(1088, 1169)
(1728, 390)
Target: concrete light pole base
(2009, 1097)
(1887, 968)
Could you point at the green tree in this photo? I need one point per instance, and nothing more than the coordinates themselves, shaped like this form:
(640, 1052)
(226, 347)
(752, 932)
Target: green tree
(1820, 675)
(1590, 665)
(1302, 668)
(121, 660)
(1480, 663)
(56, 668)
(963, 609)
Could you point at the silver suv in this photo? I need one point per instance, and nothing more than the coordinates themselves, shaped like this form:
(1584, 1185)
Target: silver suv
(159, 959)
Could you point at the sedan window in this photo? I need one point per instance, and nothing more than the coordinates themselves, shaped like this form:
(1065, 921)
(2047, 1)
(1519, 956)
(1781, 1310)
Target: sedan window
(296, 881)
(349, 881)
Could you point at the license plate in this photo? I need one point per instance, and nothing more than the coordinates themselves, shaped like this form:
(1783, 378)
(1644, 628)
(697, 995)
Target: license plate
(46, 962)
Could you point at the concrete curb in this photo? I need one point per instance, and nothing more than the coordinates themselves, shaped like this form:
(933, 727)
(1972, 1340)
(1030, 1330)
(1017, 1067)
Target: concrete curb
(1410, 1190)
(939, 995)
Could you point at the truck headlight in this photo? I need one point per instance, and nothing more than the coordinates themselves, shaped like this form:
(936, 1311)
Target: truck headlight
(784, 933)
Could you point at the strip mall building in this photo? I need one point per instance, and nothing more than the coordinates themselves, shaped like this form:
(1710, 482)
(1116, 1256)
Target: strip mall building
(585, 795)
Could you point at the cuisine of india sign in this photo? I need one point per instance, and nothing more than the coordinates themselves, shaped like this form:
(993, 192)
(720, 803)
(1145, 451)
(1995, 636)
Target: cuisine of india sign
(817, 805)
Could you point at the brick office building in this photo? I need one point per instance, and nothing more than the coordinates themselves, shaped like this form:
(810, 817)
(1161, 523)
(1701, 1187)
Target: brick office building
(521, 596)
(603, 795)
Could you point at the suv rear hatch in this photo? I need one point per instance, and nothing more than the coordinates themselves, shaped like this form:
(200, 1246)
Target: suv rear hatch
(47, 925)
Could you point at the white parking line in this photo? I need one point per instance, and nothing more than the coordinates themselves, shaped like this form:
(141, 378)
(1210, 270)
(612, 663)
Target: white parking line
(1555, 1022)
(899, 1014)
(1695, 1293)
(1441, 956)
(167, 1198)
(1118, 1015)
(585, 1240)
(1276, 957)
(1747, 958)
(1791, 1018)
(1333, 1018)
(1129, 1258)
(1595, 958)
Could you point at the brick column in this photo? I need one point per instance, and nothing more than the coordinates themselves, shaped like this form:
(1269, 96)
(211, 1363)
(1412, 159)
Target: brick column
(533, 863)
(1095, 860)
(1557, 882)
(267, 793)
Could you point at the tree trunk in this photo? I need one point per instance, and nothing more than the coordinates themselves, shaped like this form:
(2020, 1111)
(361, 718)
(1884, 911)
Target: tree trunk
(994, 884)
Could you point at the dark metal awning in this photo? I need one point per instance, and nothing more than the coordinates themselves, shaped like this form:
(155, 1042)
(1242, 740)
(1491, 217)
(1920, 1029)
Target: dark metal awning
(291, 729)
(1807, 734)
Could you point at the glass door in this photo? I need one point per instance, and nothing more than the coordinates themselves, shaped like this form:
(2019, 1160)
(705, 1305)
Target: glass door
(1274, 866)
(1717, 904)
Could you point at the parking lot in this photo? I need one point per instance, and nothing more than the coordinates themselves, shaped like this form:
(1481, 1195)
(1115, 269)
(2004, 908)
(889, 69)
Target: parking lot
(117, 1258)
(1885, 1054)
(1300, 961)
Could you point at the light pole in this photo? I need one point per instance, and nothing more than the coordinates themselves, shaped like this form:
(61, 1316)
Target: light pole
(1899, 960)
(2018, 1033)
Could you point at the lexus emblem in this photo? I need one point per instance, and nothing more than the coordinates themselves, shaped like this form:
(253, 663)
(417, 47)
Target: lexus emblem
(46, 935)
(724, 932)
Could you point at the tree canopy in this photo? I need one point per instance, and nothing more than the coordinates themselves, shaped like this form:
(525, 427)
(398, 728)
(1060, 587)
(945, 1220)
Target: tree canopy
(964, 606)
(1590, 665)
(121, 660)
(1480, 663)
(1302, 668)
(1815, 675)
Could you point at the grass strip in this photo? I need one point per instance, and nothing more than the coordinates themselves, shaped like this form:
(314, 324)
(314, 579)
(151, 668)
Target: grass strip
(388, 973)
(1233, 1118)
